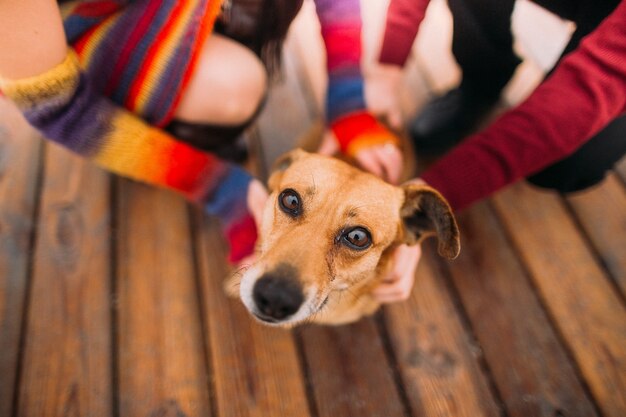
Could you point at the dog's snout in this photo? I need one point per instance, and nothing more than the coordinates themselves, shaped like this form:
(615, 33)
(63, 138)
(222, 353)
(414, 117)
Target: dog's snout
(277, 297)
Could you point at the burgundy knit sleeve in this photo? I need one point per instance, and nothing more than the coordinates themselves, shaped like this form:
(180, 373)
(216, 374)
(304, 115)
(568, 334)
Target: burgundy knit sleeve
(403, 20)
(584, 94)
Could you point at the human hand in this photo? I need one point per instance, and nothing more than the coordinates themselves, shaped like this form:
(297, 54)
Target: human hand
(384, 160)
(398, 284)
(382, 86)
(256, 198)
(372, 145)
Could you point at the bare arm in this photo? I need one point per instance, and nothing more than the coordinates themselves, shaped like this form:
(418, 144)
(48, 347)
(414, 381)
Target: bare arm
(31, 37)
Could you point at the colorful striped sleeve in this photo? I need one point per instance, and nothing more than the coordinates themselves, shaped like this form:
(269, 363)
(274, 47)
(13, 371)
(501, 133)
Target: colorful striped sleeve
(340, 22)
(65, 107)
(346, 112)
(404, 18)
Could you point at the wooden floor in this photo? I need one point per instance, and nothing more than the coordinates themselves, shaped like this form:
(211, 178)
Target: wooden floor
(111, 301)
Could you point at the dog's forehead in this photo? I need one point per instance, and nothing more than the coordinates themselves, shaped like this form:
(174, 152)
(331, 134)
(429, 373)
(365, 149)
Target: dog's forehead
(318, 176)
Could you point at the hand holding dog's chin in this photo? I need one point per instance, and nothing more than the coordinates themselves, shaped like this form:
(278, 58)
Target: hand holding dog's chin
(399, 283)
(384, 161)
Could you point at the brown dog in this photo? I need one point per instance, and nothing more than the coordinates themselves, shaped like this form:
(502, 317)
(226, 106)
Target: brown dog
(328, 233)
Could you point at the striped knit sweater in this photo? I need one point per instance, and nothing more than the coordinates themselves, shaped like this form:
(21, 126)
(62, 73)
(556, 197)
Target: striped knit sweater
(123, 78)
(140, 56)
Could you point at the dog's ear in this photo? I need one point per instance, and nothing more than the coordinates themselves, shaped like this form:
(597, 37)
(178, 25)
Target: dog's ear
(280, 166)
(425, 213)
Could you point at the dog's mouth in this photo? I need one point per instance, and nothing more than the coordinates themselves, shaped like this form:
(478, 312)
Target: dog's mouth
(266, 319)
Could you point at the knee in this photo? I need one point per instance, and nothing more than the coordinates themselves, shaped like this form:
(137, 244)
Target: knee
(227, 86)
(243, 87)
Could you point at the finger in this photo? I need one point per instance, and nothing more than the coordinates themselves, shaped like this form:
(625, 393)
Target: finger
(392, 294)
(402, 262)
(399, 284)
(394, 118)
(378, 154)
(398, 166)
(256, 198)
(390, 158)
(329, 145)
(389, 288)
(367, 160)
(390, 299)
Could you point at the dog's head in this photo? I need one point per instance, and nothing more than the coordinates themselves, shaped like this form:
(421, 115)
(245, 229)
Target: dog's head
(329, 229)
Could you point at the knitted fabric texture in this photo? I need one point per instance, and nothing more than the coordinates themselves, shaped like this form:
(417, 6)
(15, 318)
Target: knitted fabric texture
(345, 101)
(64, 106)
(359, 131)
(140, 53)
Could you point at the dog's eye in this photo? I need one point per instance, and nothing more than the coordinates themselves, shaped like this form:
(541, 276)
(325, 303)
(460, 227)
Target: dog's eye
(289, 202)
(357, 238)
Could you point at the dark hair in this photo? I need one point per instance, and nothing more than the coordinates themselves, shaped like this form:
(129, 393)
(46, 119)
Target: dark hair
(274, 24)
(261, 25)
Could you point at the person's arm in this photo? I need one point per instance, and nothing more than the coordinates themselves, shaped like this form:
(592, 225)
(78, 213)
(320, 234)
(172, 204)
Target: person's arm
(586, 91)
(45, 81)
(382, 81)
(404, 18)
(357, 132)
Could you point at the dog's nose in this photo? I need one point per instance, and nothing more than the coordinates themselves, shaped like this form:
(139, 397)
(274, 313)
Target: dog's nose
(277, 297)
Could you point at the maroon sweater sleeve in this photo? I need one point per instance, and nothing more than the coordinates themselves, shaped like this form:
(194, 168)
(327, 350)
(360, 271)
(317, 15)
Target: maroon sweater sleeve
(403, 20)
(585, 92)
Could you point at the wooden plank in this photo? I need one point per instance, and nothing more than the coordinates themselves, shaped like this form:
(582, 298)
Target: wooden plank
(530, 367)
(67, 356)
(436, 356)
(162, 368)
(601, 211)
(256, 371)
(19, 166)
(577, 294)
(349, 373)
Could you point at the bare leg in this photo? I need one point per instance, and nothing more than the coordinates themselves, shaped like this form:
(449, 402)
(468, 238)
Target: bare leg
(227, 86)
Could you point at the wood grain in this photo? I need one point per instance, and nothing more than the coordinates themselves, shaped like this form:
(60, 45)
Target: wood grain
(256, 371)
(19, 166)
(349, 373)
(162, 368)
(436, 356)
(602, 212)
(578, 296)
(531, 369)
(67, 355)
